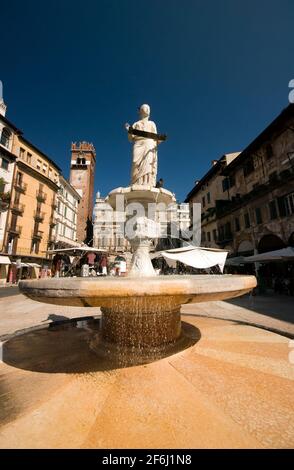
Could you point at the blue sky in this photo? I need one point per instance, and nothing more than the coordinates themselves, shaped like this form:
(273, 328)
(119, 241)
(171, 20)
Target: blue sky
(215, 73)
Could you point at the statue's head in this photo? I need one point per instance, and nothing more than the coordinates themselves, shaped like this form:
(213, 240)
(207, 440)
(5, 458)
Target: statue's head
(144, 110)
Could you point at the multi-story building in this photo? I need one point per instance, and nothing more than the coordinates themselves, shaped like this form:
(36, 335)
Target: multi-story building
(206, 192)
(108, 227)
(64, 234)
(259, 213)
(30, 223)
(82, 170)
(7, 165)
(253, 207)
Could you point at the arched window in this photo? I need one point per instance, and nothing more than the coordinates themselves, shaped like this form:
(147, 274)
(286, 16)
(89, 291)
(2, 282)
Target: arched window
(5, 137)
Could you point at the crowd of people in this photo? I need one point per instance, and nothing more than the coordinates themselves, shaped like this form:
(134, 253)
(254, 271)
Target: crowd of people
(91, 264)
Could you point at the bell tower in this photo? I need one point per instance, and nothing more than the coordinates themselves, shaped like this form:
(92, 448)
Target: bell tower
(82, 169)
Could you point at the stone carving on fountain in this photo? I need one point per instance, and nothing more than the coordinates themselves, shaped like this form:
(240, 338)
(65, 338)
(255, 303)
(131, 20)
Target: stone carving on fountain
(143, 135)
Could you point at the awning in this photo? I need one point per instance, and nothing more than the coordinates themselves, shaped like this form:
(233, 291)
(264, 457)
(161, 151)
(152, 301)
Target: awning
(277, 255)
(77, 250)
(197, 257)
(235, 261)
(4, 260)
(26, 265)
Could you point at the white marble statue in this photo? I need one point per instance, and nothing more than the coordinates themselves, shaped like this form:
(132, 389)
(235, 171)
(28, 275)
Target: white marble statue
(144, 166)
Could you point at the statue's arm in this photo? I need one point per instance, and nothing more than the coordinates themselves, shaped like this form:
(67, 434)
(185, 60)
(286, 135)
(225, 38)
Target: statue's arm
(130, 136)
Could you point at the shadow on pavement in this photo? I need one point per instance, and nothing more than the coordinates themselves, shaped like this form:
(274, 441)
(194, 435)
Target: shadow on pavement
(280, 307)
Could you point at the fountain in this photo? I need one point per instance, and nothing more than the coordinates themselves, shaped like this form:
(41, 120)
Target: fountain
(141, 376)
(147, 306)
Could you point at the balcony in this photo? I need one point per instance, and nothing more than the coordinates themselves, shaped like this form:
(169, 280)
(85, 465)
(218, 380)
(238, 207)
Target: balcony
(20, 186)
(41, 196)
(18, 208)
(225, 239)
(37, 234)
(15, 230)
(39, 216)
(53, 222)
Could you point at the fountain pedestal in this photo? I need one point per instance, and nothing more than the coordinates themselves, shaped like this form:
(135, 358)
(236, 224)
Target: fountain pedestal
(142, 322)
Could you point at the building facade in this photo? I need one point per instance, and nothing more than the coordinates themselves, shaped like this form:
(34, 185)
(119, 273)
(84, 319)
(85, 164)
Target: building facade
(30, 219)
(108, 231)
(252, 208)
(259, 213)
(82, 170)
(64, 233)
(109, 227)
(206, 193)
(7, 165)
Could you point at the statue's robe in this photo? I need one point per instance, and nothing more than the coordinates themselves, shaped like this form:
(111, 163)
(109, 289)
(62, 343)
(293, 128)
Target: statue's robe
(144, 154)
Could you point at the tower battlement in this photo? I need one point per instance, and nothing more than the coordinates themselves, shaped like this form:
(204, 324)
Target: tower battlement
(83, 147)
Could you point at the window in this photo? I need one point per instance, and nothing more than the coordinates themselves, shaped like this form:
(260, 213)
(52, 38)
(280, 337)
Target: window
(269, 151)
(221, 232)
(225, 184)
(203, 201)
(273, 176)
(208, 237)
(237, 224)
(21, 153)
(208, 198)
(35, 246)
(5, 137)
(248, 167)
(247, 220)
(39, 164)
(4, 164)
(44, 168)
(228, 232)
(203, 236)
(65, 211)
(228, 182)
(273, 210)
(19, 178)
(231, 181)
(29, 158)
(289, 204)
(258, 215)
(214, 234)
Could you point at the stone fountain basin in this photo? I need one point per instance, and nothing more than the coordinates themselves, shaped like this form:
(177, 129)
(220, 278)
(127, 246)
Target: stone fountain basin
(101, 292)
(138, 313)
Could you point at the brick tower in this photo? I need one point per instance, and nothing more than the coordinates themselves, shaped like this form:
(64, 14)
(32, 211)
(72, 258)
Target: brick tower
(82, 169)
